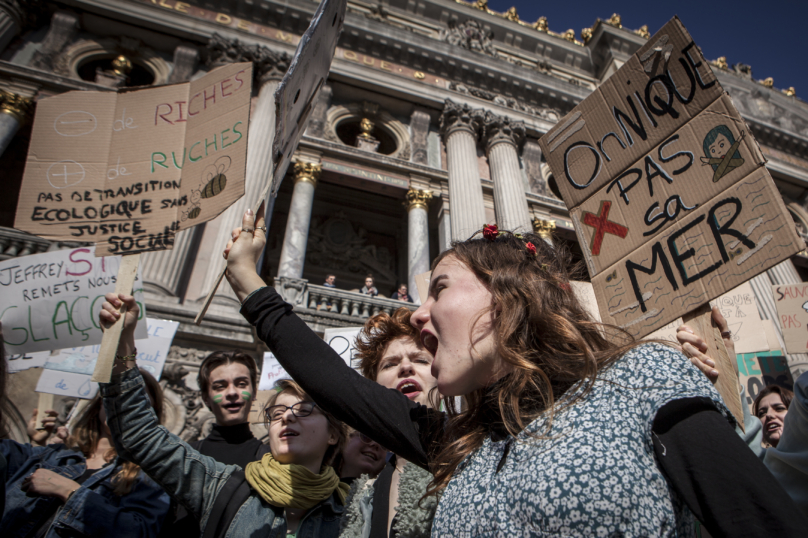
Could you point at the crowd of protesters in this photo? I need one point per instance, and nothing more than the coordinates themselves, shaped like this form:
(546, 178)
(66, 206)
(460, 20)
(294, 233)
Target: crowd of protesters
(567, 427)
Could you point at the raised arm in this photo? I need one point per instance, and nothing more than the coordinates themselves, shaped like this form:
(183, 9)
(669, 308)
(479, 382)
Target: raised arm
(190, 478)
(385, 415)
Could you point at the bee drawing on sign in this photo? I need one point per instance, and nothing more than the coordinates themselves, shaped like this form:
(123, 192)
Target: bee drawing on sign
(721, 151)
(213, 183)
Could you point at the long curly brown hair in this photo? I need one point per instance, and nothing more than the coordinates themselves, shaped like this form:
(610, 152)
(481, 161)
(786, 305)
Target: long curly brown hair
(87, 431)
(541, 331)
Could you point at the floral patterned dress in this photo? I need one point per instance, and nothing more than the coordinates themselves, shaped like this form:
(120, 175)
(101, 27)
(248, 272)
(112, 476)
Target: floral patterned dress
(594, 474)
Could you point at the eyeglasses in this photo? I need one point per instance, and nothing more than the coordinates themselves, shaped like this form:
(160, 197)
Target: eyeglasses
(300, 409)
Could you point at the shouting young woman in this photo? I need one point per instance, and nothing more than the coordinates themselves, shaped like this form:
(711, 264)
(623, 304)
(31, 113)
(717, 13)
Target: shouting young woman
(572, 427)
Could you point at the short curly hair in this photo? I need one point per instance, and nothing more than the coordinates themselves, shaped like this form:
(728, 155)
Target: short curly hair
(377, 334)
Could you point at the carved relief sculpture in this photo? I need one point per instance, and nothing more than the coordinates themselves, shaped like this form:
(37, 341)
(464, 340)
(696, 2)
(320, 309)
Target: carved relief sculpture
(469, 35)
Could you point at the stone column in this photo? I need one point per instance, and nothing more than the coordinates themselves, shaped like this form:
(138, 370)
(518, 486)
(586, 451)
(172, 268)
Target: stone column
(417, 237)
(502, 138)
(63, 29)
(419, 134)
(319, 112)
(460, 126)
(293, 252)
(15, 111)
(531, 159)
(268, 69)
(17, 15)
(444, 223)
(165, 271)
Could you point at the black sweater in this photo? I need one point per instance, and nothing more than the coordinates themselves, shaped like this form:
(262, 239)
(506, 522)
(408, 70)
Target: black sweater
(728, 489)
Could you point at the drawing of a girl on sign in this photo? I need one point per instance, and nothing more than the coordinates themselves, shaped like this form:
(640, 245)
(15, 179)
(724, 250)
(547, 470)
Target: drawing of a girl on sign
(721, 151)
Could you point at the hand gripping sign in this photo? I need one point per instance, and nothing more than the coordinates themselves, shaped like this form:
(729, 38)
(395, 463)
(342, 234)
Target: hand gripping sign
(294, 97)
(668, 192)
(129, 170)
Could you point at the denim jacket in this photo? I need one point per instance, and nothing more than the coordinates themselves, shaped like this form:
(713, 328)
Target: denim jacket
(192, 479)
(93, 510)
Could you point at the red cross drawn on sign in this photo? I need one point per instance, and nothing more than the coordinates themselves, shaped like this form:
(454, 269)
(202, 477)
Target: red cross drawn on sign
(603, 226)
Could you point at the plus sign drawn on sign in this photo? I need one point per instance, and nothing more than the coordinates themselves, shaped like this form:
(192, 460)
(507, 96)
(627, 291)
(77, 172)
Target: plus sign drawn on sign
(603, 226)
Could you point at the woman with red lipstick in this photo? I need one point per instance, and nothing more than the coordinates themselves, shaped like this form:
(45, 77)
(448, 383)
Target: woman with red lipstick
(572, 427)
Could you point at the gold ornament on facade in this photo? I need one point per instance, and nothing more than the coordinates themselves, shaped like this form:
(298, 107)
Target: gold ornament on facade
(307, 172)
(544, 228)
(511, 15)
(615, 21)
(720, 62)
(541, 25)
(569, 35)
(366, 127)
(18, 107)
(417, 199)
(482, 5)
(643, 31)
(122, 66)
(586, 34)
(791, 92)
(768, 82)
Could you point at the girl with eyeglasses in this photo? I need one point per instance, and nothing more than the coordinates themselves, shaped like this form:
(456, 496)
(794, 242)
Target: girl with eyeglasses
(292, 490)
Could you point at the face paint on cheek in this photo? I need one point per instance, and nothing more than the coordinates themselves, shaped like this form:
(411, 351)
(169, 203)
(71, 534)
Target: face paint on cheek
(246, 395)
(218, 398)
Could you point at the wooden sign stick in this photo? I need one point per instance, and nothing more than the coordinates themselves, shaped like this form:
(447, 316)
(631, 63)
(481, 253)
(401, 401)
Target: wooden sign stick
(45, 403)
(109, 343)
(701, 320)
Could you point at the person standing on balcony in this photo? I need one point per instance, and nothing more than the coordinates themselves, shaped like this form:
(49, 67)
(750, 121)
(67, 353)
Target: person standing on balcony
(401, 294)
(329, 281)
(369, 288)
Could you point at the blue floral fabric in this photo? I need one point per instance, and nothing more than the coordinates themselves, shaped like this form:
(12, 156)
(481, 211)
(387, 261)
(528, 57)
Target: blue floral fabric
(593, 474)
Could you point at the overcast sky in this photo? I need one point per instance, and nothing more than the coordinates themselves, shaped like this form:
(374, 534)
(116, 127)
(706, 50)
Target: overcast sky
(770, 35)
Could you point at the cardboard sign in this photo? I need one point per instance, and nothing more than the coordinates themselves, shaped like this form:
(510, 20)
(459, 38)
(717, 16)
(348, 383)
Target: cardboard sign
(758, 370)
(129, 170)
(667, 188)
(66, 384)
(792, 311)
(52, 300)
(271, 371)
(151, 352)
(343, 341)
(739, 308)
(422, 284)
(307, 72)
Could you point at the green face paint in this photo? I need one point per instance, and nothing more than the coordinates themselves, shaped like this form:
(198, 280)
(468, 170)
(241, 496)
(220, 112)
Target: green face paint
(246, 395)
(218, 398)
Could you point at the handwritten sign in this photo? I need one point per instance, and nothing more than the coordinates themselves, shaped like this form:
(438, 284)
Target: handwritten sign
(52, 300)
(739, 308)
(758, 370)
(66, 384)
(24, 361)
(271, 371)
(792, 312)
(667, 188)
(151, 352)
(343, 341)
(129, 170)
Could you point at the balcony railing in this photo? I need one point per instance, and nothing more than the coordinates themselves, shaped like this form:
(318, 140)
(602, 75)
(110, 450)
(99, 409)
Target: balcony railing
(14, 243)
(301, 294)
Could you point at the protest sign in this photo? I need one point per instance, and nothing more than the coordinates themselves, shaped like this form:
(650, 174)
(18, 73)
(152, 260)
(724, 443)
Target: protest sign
(24, 361)
(151, 352)
(129, 170)
(294, 98)
(52, 300)
(271, 371)
(739, 308)
(258, 404)
(758, 370)
(792, 311)
(666, 186)
(343, 341)
(66, 384)
(422, 284)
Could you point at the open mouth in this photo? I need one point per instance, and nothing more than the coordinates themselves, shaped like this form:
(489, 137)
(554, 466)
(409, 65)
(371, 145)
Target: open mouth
(373, 455)
(772, 427)
(233, 407)
(287, 433)
(409, 388)
(429, 341)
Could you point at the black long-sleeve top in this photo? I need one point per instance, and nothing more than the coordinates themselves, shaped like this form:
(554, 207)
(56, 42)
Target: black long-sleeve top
(706, 463)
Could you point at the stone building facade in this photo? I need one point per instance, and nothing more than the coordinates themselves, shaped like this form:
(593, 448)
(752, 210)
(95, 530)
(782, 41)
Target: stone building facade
(426, 129)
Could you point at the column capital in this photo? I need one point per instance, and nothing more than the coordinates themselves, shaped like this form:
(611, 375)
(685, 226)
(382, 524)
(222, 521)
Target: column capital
(267, 64)
(543, 228)
(456, 117)
(418, 199)
(498, 129)
(19, 107)
(310, 172)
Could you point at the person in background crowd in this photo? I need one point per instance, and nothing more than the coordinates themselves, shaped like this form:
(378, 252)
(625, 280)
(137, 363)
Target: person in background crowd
(56, 491)
(401, 294)
(390, 353)
(329, 281)
(292, 490)
(771, 407)
(227, 381)
(361, 456)
(557, 405)
(369, 288)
